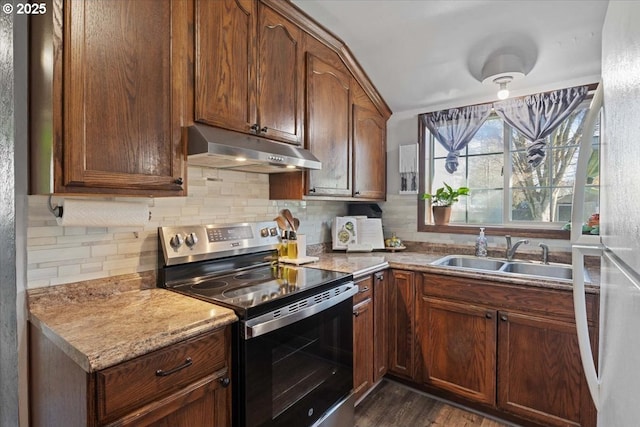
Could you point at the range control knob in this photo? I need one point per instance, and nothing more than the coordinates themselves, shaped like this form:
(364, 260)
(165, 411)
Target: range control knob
(191, 239)
(176, 241)
(273, 231)
(264, 232)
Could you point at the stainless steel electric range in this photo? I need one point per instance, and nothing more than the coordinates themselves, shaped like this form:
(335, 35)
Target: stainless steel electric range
(293, 346)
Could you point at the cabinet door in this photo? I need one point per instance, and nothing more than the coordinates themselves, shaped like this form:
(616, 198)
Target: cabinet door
(369, 154)
(401, 324)
(380, 325)
(540, 375)
(459, 348)
(225, 69)
(362, 347)
(205, 403)
(123, 97)
(280, 77)
(328, 128)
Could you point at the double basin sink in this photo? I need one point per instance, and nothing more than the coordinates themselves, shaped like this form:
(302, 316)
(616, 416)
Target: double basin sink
(534, 270)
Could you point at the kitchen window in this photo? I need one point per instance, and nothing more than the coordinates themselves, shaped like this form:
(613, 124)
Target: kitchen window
(506, 194)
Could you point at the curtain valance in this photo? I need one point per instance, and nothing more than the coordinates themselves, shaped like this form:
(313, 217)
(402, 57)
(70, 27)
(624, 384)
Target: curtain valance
(535, 116)
(454, 128)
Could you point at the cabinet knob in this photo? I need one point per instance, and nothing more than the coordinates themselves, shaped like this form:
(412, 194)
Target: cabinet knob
(504, 318)
(488, 315)
(264, 129)
(363, 290)
(356, 313)
(356, 193)
(312, 190)
(254, 127)
(179, 181)
(379, 276)
(225, 381)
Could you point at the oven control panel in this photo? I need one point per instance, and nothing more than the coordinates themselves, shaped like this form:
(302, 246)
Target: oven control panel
(181, 244)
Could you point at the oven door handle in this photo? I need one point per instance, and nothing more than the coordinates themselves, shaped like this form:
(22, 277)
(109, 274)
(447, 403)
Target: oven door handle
(315, 304)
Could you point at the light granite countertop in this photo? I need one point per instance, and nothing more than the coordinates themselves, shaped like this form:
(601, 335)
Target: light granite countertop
(101, 323)
(360, 264)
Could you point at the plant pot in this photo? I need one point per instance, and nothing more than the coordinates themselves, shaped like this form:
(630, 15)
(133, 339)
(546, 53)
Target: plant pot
(441, 214)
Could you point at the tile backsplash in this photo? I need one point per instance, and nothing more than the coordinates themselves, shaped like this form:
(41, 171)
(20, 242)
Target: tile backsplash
(58, 255)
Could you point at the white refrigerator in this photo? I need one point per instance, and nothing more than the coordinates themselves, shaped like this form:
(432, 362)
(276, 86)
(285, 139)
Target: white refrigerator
(615, 382)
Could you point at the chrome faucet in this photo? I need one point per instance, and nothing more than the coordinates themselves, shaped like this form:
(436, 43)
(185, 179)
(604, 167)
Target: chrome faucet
(511, 250)
(545, 253)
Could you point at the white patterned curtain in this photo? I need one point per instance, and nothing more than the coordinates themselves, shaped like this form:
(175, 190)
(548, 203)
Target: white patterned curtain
(537, 116)
(454, 128)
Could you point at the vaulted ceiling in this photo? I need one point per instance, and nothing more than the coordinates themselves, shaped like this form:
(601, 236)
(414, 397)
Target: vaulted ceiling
(426, 55)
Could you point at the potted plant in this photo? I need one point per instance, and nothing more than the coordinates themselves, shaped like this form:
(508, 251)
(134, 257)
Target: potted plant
(442, 200)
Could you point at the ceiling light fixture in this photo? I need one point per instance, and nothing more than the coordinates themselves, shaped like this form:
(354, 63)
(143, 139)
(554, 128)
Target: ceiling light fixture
(503, 92)
(502, 69)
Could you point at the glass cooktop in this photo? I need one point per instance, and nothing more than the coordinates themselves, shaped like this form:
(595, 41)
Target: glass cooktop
(266, 285)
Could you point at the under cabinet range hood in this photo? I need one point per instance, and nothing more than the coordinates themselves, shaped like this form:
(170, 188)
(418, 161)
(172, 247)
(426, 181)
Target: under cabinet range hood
(218, 148)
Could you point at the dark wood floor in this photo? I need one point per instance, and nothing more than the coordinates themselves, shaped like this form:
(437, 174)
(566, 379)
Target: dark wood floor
(394, 405)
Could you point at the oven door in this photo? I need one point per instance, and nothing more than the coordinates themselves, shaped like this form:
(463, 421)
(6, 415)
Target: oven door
(292, 375)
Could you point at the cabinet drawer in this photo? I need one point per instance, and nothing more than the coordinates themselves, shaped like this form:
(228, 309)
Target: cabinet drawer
(128, 385)
(533, 300)
(365, 289)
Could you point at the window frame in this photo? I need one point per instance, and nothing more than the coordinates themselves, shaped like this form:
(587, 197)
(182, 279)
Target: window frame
(526, 230)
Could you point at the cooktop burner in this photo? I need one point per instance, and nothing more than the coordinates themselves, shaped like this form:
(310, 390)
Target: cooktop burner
(210, 284)
(252, 276)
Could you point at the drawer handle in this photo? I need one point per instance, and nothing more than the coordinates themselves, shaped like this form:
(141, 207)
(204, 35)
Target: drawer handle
(163, 373)
(363, 290)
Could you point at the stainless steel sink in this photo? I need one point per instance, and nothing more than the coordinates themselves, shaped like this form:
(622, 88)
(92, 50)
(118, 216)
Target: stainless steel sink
(530, 269)
(554, 271)
(475, 263)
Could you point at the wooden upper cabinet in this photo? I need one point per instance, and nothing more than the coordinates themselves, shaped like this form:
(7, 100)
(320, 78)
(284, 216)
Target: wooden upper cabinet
(225, 71)
(369, 149)
(249, 69)
(119, 93)
(280, 77)
(344, 118)
(328, 128)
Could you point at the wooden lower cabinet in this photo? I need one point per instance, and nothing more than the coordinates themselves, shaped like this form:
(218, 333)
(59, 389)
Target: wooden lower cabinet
(362, 347)
(402, 331)
(204, 403)
(380, 325)
(183, 385)
(540, 376)
(456, 336)
(509, 350)
(369, 333)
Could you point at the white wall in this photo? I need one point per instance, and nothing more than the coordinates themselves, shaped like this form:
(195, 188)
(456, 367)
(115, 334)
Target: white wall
(58, 255)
